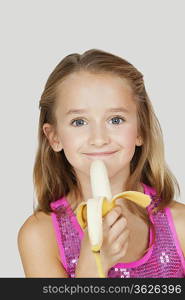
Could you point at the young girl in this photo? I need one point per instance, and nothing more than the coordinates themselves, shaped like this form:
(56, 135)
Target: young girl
(95, 106)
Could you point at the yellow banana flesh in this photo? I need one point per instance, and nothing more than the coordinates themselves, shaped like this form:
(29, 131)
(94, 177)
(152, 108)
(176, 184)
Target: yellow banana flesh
(90, 212)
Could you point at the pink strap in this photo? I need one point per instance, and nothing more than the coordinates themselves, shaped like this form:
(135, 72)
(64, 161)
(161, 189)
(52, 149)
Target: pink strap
(58, 237)
(54, 205)
(148, 190)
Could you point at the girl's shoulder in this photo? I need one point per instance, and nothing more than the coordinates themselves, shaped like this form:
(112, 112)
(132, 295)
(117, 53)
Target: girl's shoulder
(178, 214)
(178, 211)
(38, 247)
(39, 226)
(38, 221)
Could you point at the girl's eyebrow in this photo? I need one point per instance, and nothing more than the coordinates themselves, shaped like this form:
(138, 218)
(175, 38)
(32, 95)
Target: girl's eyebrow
(113, 109)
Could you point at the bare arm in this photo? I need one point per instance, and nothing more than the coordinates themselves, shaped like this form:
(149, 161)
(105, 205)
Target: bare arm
(38, 249)
(178, 214)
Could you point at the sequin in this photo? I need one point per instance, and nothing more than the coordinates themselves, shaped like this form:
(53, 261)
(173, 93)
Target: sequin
(164, 258)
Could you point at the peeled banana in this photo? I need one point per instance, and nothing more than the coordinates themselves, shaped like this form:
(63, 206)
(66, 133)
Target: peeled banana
(89, 213)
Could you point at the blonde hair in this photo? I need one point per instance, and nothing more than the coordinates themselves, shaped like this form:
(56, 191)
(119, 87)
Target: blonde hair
(54, 177)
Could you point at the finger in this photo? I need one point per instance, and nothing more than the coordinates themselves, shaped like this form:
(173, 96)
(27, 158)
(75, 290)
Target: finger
(119, 244)
(119, 257)
(111, 217)
(117, 228)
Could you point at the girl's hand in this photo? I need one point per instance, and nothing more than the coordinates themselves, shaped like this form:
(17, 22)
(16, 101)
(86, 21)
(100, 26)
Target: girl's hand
(115, 238)
(114, 247)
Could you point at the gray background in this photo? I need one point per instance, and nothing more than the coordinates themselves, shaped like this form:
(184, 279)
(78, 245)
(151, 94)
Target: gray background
(35, 36)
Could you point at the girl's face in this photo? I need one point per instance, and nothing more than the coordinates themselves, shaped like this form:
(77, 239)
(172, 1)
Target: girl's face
(96, 113)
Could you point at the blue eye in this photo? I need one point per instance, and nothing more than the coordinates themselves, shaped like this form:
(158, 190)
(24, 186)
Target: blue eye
(118, 118)
(80, 121)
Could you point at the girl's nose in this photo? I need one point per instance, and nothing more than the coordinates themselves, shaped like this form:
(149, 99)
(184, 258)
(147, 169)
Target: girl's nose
(99, 136)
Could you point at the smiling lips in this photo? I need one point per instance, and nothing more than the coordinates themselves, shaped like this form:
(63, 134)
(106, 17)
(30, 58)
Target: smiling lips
(100, 153)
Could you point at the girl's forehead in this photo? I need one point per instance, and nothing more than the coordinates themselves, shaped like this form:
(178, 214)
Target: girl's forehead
(91, 88)
(84, 95)
(99, 82)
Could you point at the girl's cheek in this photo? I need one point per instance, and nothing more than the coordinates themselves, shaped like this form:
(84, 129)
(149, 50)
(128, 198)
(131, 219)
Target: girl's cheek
(128, 136)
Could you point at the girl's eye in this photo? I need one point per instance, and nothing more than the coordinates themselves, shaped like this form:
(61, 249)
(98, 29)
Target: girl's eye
(118, 118)
(77, 122)
(80, 121)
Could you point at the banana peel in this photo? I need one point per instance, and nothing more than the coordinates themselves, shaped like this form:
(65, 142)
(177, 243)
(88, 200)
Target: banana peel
(90, 213)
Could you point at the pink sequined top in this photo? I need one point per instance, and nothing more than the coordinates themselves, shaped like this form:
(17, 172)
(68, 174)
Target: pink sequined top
(164, 258)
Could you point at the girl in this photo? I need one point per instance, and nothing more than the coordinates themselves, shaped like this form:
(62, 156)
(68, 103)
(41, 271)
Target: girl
(93, 106)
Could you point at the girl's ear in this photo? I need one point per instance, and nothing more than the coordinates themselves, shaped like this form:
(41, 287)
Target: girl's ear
(139, 141)
(52, 137)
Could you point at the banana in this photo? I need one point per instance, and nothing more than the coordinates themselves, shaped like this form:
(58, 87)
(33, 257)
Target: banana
(89, 213)
(99, 179)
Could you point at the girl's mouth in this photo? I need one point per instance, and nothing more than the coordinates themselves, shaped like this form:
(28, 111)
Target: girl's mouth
(100, 155)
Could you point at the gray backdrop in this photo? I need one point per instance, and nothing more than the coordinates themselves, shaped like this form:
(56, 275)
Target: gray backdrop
(35, 36)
